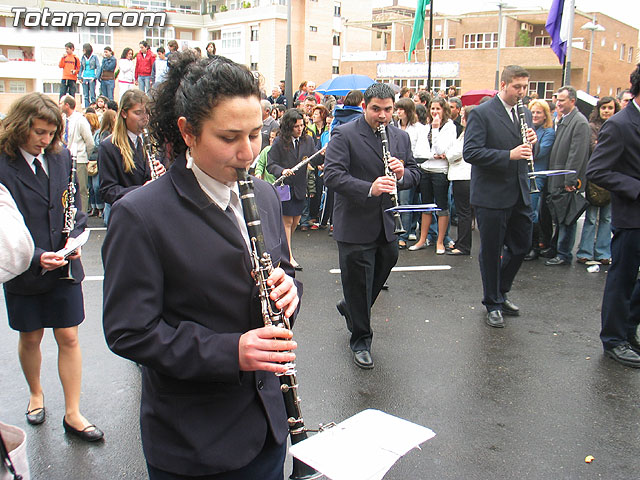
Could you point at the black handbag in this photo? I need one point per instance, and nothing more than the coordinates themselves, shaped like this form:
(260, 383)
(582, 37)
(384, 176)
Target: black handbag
(597, 196)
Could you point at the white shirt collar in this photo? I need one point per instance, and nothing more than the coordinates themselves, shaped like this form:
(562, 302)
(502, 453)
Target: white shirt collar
(633, 100)
(508, 107)
(133, 137)
(30, 159)
(218, 192)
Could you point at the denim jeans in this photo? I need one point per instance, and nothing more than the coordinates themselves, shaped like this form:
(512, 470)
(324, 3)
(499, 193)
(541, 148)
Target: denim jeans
(106, 88)
(601, 249)
(144, 83)
(409, 220)
(89, 91)
(67, 87)
(95, 201)
(535, 198)
(566, 240)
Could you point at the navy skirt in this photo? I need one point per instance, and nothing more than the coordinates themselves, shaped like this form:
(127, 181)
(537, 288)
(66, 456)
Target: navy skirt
(62, 307)
(293, 207)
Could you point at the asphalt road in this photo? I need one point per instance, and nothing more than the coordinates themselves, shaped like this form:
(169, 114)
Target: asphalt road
(529, 401)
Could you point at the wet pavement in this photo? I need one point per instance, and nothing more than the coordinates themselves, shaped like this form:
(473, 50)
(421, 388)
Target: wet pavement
(528, 401)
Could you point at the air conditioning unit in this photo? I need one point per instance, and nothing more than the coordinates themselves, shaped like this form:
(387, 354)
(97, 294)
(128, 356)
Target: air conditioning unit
(526, 27)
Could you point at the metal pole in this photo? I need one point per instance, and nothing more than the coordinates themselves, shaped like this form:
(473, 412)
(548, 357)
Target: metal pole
(567, 76)
(430, 45)
(497, 81)
(590, 58)
(288, 68)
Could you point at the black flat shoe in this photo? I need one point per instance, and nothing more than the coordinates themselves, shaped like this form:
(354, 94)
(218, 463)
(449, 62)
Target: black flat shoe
(495, 319)
(90, 433)
(36, 416)
(297, 268)
(510, 308)
(362, 358)
(456, 251)
(532, 255)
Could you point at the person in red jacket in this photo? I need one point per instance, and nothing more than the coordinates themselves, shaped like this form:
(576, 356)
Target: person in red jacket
(70, 65)
(144, 65)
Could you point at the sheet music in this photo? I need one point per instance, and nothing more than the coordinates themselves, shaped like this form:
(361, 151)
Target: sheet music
(363, 447)
(74, 244)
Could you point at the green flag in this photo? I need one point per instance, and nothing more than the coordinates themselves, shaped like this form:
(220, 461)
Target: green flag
(418, 25)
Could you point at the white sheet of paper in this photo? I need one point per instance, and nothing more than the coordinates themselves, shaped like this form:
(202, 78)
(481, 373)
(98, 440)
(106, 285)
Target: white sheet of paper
(363, 447)
(74, 244)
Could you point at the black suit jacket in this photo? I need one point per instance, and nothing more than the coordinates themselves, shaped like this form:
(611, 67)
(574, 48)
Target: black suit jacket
(115, 183)
(178, 294)
(43, 216)
(352, 162)
(282, 156)
(615, 165)
(496, 181)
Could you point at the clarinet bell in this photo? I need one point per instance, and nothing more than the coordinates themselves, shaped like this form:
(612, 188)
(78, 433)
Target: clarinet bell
(399, 228)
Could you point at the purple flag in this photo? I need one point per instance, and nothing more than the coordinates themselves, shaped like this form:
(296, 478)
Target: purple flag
(554, 27)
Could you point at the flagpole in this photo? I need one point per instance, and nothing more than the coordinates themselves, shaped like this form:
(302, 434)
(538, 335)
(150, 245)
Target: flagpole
(430, 44)
(567, 74)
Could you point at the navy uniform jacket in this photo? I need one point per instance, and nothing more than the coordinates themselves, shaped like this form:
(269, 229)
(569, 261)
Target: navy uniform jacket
(44, 217)
(178, 295)
(115, 183)
(496, 181)
(352, 162)
(615, 165)
(281, 157)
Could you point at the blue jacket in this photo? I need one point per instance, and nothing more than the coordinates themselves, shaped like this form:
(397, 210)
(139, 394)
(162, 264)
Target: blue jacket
(108, 65)
(90, 68)
(546, 137)
(344, 114)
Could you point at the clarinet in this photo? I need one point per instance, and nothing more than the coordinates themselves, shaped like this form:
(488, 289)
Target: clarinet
(271, 315)
(298, 166)
(386, 157)
(533, 187)
(148, 153)
(70, 211)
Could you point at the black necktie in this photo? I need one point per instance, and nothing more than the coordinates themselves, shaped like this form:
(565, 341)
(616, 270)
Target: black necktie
(515, 118)
(42, 177)
(296, 145)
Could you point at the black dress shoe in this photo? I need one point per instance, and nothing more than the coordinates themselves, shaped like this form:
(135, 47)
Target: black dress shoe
(552, 262)
(634, 343)
(548, 252)
(532, 255)
(90, 433)
(36, 416)
(494, 319)
(385, 286)
(342, 308)
(362, 358)
(625, 355)
(510, 308)
(297, 267)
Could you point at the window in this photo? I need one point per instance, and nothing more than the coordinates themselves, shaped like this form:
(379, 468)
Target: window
(51, 86)
(254, 66)
(96, 35)
(17, 86)
(1, 86)
(481, 40)
(336, 10)
(254, 34)
(215, 35)
(15, 54)
(544, 89)
(149, 4)
(438, 44)
(313, 58)
(156, 36)
(231, 40)
(544, 41)
(630, 56)
(312, 28)
(452, 42)
(335, 70)
(336, 39)
(622, 45)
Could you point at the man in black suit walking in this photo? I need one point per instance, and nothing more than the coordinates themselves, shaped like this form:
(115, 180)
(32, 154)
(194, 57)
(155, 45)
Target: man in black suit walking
(615, 165)
(367, 246)
(500, 190)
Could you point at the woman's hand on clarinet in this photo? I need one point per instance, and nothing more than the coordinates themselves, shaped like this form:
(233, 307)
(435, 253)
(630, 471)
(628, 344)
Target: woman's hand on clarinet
(159, 168)
(287, 172)
(51, 260)
(266, 348)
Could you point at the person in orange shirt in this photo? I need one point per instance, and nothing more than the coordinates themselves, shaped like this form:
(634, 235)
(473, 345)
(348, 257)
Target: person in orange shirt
(70, 65)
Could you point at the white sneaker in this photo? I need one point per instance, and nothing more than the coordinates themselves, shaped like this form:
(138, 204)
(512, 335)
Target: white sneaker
(412, 236)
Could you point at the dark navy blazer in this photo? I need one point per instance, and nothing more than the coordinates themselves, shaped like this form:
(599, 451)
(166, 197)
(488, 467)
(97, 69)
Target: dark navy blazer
(352, 162)
(496, 181)
(283, 156)
(115, 183)
(43, 216)
(178, 294)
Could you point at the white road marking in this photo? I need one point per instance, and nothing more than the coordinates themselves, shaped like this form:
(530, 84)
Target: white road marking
(417, 268)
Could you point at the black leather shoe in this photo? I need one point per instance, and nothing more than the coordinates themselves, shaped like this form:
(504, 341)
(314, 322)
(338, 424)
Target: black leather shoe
(362, 358)
(552, 262)
(532, 255)
(342, 308)
(36, 416)
(90, 433)
(385, 286)
(494, 319)
(510, 308)
(625, 355)
(634, 343)
(548, 252)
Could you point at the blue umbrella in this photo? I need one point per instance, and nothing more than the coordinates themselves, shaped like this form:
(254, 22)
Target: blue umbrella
(342, 85)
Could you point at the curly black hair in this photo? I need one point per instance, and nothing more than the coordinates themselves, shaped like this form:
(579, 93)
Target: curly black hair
(287, 122)
(192, 89)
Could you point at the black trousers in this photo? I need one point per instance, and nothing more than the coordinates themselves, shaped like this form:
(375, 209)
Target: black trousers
(504, 233)
(461, 193)
(364, 269)
(621, 300)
